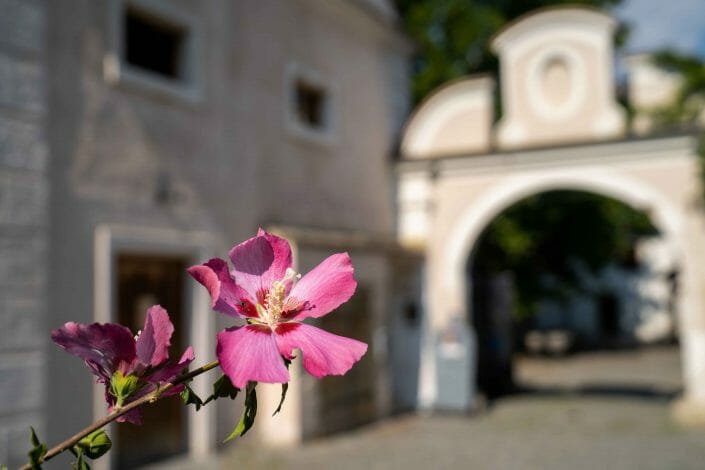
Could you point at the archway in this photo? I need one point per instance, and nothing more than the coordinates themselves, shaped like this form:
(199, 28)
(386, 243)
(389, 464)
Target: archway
(568, 271)
(447, 292)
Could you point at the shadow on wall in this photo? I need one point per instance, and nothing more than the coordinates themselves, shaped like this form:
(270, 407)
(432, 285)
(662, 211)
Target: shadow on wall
(606, 390)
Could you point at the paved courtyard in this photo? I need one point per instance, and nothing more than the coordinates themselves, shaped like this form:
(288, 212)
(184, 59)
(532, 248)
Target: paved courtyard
(601, 410)
(591, 411)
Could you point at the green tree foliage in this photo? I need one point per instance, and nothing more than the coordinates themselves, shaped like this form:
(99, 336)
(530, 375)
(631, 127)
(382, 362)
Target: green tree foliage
(546, 235)
(689, 101)
(453, 36)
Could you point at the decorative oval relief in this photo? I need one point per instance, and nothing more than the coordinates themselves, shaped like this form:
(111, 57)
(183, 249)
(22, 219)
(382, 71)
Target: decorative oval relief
(556, 83)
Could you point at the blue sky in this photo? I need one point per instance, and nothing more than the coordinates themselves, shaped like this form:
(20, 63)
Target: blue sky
(656, 24)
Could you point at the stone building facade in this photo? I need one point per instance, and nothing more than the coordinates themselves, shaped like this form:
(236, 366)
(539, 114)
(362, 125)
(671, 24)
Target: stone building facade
(138, 137)
(24, 204)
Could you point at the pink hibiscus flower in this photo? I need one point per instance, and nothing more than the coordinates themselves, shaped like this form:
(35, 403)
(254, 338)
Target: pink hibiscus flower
(263, 289)
(112, 353)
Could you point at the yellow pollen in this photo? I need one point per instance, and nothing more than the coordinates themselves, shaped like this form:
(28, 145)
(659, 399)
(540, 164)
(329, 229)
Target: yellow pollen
(274, 300)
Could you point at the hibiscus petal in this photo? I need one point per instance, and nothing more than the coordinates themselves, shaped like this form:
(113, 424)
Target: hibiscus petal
(154, 340)
(323, 353)
(226, 296)
(260, 261)
(325, 287)
(132, 416)
(102, 346)
(250, 353)
(170, 370)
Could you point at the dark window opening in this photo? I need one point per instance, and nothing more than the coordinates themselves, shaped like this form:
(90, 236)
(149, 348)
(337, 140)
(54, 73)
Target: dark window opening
(153, 44)
(609, 316)
(310, 104)
(411, 313)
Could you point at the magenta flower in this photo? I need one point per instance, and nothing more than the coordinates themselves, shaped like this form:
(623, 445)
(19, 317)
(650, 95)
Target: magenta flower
(128, 366)
(262, 289)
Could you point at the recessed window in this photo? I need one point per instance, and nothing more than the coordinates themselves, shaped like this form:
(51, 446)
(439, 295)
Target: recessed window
(310, 104)
(153, 44)
(155, 49)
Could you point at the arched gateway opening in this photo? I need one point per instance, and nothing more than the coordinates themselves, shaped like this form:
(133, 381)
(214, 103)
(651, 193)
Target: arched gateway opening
(449, 296)
(460, 168)
(571, 274)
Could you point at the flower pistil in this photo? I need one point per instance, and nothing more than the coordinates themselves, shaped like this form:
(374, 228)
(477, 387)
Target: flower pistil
(272, 311)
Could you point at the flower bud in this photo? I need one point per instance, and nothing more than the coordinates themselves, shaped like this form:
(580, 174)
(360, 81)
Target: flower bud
(122, 386)
(95, 444)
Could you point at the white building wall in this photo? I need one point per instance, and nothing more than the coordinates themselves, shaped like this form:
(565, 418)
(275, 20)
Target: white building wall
(220, 158)
(557, 78)
(24, 188)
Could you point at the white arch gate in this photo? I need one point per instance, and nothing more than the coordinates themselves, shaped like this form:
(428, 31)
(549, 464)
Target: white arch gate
(445, 203)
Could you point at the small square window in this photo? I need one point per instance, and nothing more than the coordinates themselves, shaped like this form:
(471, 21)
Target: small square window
(154, 48)
(153, 44)
(310, 104)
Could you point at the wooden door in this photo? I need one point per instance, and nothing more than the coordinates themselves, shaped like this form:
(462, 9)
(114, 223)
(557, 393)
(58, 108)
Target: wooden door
(348, 401)
(142, 281)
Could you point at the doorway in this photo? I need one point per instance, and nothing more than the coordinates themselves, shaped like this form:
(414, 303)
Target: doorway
(144, 280)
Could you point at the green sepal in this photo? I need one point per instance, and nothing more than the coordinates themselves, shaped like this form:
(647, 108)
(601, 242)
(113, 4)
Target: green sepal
(94, 445)
(189, 397)
(122, 386)
(285, 387)
(38, 451)
(248, 413)
(223, 388)
(80, 463)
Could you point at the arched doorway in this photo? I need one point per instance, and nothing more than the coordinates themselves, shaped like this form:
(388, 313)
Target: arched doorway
(565, 272)
(457, 226)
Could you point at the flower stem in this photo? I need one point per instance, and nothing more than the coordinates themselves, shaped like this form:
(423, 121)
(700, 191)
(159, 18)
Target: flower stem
(149, 398)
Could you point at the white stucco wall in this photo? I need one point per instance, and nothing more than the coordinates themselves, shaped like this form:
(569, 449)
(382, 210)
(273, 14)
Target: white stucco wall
(658, 176)
(557, 78)
(454, 119)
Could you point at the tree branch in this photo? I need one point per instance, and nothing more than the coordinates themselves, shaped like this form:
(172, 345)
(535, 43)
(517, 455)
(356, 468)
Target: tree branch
(149, 398)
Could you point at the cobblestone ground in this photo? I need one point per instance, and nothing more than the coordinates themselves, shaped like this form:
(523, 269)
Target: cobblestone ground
(592, 411)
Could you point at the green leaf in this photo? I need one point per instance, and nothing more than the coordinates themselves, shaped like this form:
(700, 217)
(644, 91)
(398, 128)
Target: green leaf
(189, 397)
(38, 451)
(223, 388)
(248, 414)
(94, 445)
(80, 463)
(285, 387)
